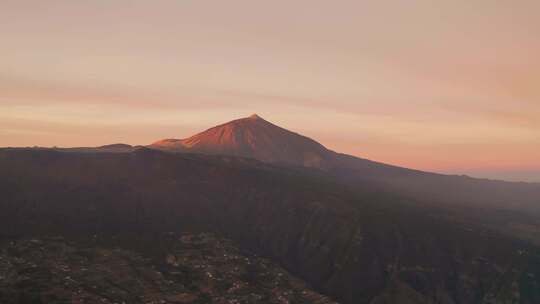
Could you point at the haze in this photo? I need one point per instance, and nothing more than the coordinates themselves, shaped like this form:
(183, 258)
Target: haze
(449, 87)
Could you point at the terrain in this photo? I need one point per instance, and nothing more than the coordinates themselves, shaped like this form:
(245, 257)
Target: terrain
(354, 246)
(181, 268)
(509, 207)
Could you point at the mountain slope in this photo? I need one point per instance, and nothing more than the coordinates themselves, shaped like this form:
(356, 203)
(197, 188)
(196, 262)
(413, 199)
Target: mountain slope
(254, 137)
(358, 230)
(356, 247)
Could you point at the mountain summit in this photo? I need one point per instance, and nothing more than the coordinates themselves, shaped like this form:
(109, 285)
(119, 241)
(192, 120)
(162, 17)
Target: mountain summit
(253, 137)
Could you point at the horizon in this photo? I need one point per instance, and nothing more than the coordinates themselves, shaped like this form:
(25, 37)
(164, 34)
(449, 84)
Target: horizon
(519, 176)
(449, 88)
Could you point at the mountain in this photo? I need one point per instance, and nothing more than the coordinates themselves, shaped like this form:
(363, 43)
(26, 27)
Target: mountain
(254, 137)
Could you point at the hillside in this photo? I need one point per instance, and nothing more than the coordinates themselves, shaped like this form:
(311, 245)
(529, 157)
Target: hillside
(367, 247)
(181, 268)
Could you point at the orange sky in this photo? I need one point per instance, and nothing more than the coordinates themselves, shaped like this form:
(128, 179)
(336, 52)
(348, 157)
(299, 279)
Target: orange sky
(450, 86)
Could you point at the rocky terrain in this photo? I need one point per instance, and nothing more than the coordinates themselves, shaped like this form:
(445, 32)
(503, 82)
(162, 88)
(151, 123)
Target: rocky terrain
(192, 268)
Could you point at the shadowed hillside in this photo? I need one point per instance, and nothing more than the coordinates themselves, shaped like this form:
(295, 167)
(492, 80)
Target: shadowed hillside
(358, 247)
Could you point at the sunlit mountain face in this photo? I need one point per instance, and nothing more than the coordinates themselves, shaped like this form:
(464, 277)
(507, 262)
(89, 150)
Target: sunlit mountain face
(257, 138)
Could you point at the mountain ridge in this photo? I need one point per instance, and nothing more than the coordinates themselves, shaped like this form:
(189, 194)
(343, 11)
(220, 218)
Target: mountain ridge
(257, 138)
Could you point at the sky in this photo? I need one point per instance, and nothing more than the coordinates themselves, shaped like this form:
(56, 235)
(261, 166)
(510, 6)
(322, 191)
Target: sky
(445, 86)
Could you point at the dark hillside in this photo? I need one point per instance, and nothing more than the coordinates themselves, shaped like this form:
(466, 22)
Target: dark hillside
(357, 247)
